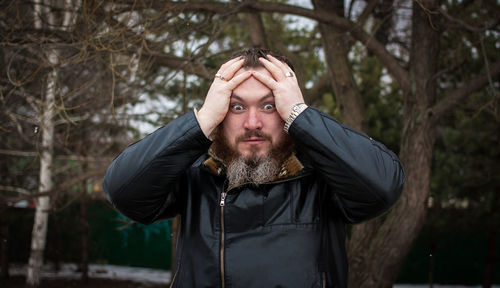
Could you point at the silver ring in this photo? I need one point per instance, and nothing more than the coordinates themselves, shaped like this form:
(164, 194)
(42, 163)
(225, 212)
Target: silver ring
(289, 74)
(218, 75)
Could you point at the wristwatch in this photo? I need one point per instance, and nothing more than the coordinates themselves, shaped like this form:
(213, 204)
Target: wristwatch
(296, 110)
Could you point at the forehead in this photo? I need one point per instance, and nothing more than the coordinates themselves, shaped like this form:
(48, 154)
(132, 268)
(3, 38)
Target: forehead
(251, 88)
(260, 69)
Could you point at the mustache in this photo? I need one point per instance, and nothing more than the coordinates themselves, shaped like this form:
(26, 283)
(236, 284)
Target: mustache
(253, 133)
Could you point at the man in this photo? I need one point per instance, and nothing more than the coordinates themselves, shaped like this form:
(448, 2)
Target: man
(266, 202)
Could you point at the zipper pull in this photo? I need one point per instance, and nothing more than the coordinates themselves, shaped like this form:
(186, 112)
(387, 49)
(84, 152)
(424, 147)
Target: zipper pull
(223, 198)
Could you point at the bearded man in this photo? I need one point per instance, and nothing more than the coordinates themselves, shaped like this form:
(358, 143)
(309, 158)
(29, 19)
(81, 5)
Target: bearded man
(264, 185)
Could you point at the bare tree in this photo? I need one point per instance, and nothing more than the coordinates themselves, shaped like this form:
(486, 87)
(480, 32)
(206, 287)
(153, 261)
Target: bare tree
(39, 233)
(54, 95)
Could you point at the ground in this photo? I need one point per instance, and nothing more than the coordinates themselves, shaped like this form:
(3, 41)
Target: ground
(100, 276)
(20, 282)
(111, 276)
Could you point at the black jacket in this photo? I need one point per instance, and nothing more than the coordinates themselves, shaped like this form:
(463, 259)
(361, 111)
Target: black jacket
(287, 233)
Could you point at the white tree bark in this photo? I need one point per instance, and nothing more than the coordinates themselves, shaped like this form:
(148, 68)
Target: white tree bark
(38, 236)
(37, 10)
(39, 233)
(50, 18)
(69, 20)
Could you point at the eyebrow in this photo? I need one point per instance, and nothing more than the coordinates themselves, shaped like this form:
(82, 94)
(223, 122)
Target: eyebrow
(263, 99)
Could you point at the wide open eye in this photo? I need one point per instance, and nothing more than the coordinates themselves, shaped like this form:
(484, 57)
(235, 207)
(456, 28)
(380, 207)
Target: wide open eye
(237, 107)
(268, 107)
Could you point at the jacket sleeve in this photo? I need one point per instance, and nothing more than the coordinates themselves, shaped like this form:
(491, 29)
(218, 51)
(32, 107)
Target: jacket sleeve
(145, 180)
(366, 177)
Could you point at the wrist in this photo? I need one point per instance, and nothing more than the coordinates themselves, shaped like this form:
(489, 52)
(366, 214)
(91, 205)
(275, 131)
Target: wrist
(295, 111)
(205, 123)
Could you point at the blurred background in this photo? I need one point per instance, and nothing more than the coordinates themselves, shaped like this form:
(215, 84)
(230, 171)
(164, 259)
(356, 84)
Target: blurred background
(82, 80)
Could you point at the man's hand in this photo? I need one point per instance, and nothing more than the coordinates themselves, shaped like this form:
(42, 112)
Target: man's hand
(216, 105)
(285, 87)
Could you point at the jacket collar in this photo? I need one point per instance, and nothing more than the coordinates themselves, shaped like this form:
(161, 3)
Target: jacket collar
(290, 168)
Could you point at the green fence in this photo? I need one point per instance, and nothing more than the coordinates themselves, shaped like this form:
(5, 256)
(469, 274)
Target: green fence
(111, 240)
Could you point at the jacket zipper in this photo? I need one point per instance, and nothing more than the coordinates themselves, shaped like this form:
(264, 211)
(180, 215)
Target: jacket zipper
(173, 278)
(323, 278)
(222, 236)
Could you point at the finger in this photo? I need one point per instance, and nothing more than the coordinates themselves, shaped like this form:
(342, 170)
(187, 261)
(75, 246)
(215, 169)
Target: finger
(272, 68)
(232, 69)
(282, 65)
(224, 67)
(286, 70)
(229, 62)
(266, 80)
(238, 79)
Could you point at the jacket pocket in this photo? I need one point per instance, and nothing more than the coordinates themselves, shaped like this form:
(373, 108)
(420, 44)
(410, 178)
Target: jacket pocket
(291, 203)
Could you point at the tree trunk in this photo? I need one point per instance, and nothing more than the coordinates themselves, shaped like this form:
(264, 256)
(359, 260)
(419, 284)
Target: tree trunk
(175, 231)
(56, 242)
(377, 250)
(376, 262)
(39, 234)
(256, 29)
(490, 257)
(84, 226)
(4, 239)
(44, 18)
(489, 265)
(336, 49)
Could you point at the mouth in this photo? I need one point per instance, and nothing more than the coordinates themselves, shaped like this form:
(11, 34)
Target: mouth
(254, 140)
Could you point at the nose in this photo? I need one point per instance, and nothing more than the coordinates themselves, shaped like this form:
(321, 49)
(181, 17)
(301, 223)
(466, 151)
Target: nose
(253, 120)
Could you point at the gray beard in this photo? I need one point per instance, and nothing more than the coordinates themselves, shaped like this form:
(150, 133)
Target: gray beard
(253, 169)
(242, 171)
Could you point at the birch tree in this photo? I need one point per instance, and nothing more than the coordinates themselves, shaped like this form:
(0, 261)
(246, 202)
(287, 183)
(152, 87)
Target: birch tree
(39, 233)
(44, 47)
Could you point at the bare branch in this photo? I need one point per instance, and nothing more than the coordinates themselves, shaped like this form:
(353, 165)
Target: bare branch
(466, 25)
(349, 11)
(486, 63)
(447, 70)
(18, 153)
(184, 64)
(458, 95)
(19, 127)
(256, 29)
(314, 94)
(61, 188)
(72, 120)
(391, 63)
(366, 12)
(23, 118)
(62, 157)
(15, 189)
(187, 65)
(213, 37)
(126, 224)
